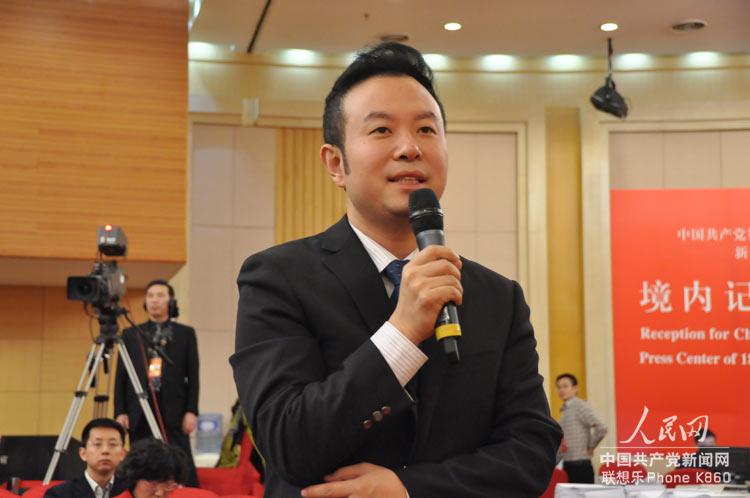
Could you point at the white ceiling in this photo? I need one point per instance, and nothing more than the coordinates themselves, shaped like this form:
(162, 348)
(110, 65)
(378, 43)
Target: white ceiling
(516, 27)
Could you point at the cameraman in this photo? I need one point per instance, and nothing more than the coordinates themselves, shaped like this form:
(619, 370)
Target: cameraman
(165, 356)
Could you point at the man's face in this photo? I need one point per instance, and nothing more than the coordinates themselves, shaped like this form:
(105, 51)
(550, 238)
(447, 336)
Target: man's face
(157, 302)
(103, 451)
(708, 442)
(394, 144)
(566, 389)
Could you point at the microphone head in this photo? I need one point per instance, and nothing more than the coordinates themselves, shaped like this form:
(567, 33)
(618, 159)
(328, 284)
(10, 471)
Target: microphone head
(424, 211)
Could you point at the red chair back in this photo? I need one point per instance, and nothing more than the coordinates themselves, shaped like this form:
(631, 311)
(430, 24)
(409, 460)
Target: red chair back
(228, 481)
(258, 489)
(558, 476)
(31, 486)
(36, 491)
(224, 481)
(192, 493)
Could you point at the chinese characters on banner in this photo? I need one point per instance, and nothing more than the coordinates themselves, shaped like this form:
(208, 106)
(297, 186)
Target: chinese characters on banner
(681, 315)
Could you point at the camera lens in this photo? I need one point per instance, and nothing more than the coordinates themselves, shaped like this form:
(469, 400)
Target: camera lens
(83, 289)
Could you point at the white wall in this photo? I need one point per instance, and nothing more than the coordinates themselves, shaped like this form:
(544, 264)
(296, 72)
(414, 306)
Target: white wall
(231, 216)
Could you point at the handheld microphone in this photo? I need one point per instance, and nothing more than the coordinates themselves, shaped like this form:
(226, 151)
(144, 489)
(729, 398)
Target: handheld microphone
(426, 219)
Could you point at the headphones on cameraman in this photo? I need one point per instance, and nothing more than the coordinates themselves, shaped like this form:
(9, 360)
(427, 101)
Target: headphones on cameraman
(172, 310)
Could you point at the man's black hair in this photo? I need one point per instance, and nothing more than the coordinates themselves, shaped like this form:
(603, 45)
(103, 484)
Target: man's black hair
(570, 376)
(386, 59)
(153, 460)
(160, 281)
(106, 423)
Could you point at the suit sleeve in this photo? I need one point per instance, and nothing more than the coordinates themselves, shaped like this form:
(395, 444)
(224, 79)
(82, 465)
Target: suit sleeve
(68, 489)
(53, 492)
(306, 421)
(193, 374)
(519, 456)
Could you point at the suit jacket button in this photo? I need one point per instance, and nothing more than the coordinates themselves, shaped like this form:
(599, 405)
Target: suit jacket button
(367, 424)
(377, 416)
(386, 410)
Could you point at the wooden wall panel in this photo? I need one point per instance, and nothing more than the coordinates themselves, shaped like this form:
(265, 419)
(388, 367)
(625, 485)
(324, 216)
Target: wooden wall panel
(54, 406)
(17, 421)
(63, 319)
(567, 342)
(62, 363)
(44, 341)
(307, 201)
(93, 126)
(21, 313)
(21, 365)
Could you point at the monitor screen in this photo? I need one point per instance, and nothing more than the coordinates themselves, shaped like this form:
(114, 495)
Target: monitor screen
(739, 463)
(28, 457)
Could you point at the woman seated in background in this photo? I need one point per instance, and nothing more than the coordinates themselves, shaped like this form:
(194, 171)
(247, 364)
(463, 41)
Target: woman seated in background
(152, 469)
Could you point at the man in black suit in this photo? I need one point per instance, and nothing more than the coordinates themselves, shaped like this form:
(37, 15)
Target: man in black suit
(346, 390)
(102, 448)
(168, 351)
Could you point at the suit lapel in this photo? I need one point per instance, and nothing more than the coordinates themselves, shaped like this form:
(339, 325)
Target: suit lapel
(345, 256)
(84, 487)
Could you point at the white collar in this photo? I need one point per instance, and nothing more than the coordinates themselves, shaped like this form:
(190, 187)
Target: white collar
(380, 255)
(95, 484)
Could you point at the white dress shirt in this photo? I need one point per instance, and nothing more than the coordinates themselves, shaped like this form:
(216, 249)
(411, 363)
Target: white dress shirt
(402, 355)
(104, 493)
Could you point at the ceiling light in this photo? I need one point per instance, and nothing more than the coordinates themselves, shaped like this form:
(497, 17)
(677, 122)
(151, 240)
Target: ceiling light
(194, 8)
(452, 26)
(606, 98)
(609, 26)
(689, 25)
(498, 62)
(203, 50)
(298, 56)
(702, 59)
(565, 62)
(634, 61)
(437, 61)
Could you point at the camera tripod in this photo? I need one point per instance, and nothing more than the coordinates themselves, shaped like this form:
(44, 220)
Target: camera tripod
(98, 356)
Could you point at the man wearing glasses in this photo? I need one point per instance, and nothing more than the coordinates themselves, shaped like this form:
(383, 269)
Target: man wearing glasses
(103, 442)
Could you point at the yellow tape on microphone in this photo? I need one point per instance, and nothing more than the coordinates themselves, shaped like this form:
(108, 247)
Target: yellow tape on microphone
(447, 330)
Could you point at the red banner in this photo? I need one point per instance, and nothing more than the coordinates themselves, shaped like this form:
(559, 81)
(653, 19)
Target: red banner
(681, 315)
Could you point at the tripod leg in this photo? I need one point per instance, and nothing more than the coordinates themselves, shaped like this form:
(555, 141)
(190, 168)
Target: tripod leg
(92, 365)
(101, 394)
(142, 396)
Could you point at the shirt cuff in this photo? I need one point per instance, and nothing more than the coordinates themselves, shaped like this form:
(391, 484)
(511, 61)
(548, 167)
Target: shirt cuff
(404, 358)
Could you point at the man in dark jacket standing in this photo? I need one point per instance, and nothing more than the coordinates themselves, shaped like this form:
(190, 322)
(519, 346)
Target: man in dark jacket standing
(346, 390)
(165, 357)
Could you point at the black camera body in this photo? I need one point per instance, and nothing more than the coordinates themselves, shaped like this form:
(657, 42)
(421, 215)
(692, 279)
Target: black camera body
(105, 285)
